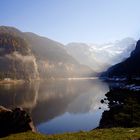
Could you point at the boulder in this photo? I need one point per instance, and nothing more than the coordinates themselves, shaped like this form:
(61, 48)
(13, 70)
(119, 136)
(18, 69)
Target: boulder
(14, 121)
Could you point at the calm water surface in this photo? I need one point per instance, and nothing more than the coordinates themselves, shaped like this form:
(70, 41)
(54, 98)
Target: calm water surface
(59, 106)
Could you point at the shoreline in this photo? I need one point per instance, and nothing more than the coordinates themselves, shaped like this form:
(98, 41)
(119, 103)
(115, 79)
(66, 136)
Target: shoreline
(21, 81)
(14, 82)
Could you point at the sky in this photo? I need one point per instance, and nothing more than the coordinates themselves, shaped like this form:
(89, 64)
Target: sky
(89, 21)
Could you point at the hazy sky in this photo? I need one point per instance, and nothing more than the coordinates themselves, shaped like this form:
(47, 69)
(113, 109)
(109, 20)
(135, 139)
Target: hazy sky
(91, 21)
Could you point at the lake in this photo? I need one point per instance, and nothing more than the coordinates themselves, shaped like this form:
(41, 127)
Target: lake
(58, 106)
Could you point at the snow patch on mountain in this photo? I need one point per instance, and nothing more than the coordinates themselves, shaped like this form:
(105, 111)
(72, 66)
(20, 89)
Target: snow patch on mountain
(100, 57)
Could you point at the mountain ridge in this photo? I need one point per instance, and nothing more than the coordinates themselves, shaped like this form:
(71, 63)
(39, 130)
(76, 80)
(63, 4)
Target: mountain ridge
(48, 58)
(128, 68)
(101, 57)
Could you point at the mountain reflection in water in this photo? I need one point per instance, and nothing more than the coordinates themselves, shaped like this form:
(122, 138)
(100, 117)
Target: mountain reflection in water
(58, 106)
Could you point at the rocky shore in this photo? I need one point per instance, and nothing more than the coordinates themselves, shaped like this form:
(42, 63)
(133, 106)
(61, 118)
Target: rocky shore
(124, 107)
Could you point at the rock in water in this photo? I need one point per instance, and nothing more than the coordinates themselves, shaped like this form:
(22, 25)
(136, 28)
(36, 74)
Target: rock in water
(14, 121)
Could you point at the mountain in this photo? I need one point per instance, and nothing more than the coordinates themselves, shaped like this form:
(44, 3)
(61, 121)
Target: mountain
(25, 55)
(16, 58)
(100, 57)
(29, 56)
(129, 67)
(53, 59)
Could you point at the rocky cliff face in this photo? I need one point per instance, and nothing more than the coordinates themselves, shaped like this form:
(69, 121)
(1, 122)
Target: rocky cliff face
(16, 58)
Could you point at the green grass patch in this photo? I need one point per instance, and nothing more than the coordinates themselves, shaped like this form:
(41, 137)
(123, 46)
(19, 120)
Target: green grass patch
(99, 134)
